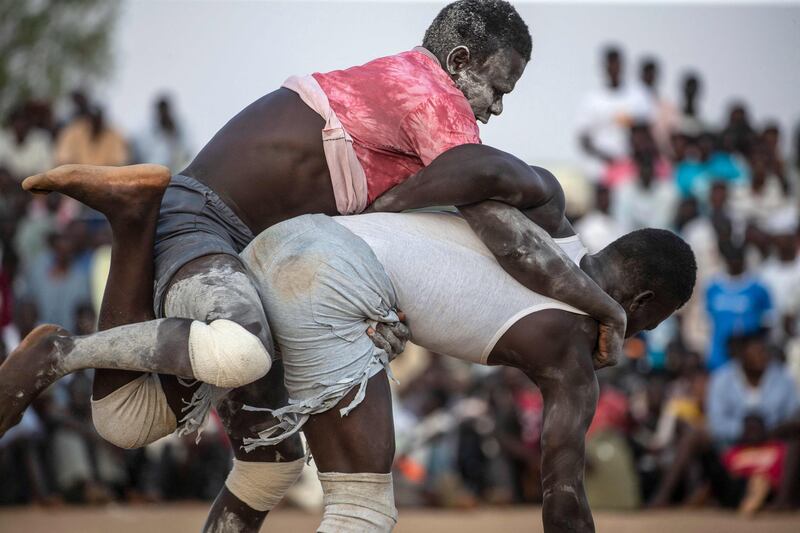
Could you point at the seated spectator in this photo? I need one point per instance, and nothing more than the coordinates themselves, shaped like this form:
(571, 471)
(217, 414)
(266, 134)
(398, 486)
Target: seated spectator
(666, 118)
(605, 116)
(751, 384)
(742, 134)
(38, 223)
(770, 139)
(764, 196)
(749, 399)
(24, 149)
(56, 284)
(691, 171)
(691, 122)
(737, 303)
(91, 141)
(781, 270)
(598, 228)
(642, 145)
(164, 143)
(645, 202)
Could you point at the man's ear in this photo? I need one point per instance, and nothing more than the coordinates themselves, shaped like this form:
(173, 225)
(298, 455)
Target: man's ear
(641, 299)
(458, 59)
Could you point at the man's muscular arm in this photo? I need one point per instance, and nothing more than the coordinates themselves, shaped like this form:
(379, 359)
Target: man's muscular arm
(529, 255)
(469, 175)
(465, 175)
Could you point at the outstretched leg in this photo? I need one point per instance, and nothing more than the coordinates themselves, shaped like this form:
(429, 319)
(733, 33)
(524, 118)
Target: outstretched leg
(129, 197)
(230, 351)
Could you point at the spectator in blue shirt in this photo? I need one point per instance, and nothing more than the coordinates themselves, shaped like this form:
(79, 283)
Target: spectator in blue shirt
(750, 384)
(737, 304)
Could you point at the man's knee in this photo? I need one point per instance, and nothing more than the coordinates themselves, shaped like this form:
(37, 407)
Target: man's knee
(357, 502)
(225, 354)
(262, 485)
(134, 415)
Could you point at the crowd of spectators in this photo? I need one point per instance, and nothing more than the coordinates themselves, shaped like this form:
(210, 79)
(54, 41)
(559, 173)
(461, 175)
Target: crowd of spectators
(704, 409)
(54, 259)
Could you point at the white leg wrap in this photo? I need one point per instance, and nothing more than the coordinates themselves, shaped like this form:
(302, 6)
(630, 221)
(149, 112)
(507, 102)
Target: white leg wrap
(262, 485)
(357, 503)
(225, 354)
(134, 415)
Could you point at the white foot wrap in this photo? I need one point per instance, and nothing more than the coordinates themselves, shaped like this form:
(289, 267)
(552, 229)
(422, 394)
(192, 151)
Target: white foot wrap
(357, 503)
(134, 415)
(225, 354)
(262, 485)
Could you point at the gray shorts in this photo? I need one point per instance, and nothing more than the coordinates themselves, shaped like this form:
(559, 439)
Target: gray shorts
(322, 287)
(193, 222)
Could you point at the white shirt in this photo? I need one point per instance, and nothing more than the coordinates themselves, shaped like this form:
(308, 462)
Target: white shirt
(783, 282)
(606, 116)
(598, 230)
(33, 156)
(635, 207)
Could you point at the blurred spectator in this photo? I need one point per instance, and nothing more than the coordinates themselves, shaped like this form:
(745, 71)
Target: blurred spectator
(89, 140)
(739, 128)
(665, 116)
(56, 284)
(770, 140)
(605, 116)
(781, 271)
(598, 228)
(764, 196)
(752, 384)
(642, 146)
(737, 302)
(165, 142)
(705, 161)
(24, 149)
(645, 202)
(749, 401)
(691, 120)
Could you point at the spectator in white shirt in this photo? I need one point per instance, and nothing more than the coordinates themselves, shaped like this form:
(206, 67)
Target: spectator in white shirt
(645, 202)
(598, 228)
(605, 116)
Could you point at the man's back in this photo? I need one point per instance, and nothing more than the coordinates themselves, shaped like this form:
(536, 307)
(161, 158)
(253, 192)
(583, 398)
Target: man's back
(458, 299)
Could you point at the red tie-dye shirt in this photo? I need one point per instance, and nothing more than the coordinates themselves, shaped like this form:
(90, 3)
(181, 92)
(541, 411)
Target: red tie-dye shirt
(402, 111)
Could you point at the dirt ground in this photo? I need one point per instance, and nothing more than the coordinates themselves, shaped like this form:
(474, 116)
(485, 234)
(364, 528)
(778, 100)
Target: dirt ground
(189, 518)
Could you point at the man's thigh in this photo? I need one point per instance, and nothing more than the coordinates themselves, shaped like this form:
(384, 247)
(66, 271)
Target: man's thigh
(209, 288)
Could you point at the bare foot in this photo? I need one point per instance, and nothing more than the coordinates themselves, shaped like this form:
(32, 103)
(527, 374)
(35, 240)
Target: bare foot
(114, 191)
(30, 369)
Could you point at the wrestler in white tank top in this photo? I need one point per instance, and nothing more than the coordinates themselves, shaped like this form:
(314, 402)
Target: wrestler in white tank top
(459, 301)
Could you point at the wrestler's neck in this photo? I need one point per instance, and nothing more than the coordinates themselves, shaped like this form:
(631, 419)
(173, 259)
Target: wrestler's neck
(601, 269)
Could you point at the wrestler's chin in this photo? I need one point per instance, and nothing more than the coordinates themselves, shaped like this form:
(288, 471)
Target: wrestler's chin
(483, 119)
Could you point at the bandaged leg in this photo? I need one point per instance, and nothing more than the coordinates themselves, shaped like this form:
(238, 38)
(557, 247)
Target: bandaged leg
(262, 485)
(134, 415)
(357, 503)
(221, 353)
(225, 354)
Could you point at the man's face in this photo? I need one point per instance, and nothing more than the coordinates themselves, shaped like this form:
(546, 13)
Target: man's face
(485, 83)
(648, 315)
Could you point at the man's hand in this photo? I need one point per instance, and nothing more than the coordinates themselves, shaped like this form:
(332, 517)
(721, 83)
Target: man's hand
(391, 337)
(611, 337)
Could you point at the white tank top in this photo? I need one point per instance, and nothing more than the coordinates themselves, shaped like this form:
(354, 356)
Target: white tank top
(458, 300)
